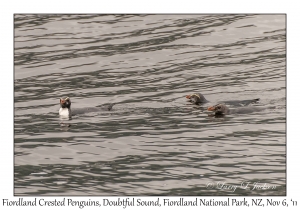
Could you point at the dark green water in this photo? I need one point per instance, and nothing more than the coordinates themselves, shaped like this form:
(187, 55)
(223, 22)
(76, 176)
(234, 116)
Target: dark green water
(153, 142)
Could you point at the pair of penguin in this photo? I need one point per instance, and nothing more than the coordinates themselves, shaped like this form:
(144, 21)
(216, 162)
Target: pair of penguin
(196, 98)
(222, 109)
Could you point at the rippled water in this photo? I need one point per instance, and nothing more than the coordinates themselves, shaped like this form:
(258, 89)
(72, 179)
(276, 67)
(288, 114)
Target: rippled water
(153, 142)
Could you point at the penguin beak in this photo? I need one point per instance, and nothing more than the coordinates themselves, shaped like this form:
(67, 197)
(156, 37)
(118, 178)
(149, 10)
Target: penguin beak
(211, 108)
(188, 96)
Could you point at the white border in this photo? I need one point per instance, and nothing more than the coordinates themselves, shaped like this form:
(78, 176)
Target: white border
(8, 8)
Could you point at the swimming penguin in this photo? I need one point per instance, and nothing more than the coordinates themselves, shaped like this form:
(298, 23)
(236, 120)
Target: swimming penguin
(65, 108)
(222, 109)
(198, 98)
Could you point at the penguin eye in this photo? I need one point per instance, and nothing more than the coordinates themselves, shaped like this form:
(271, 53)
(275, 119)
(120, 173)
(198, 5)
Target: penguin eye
(219, 107)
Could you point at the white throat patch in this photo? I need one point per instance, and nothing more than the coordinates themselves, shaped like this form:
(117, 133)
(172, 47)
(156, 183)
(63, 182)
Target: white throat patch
(64, 111)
